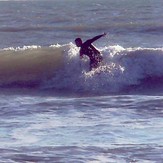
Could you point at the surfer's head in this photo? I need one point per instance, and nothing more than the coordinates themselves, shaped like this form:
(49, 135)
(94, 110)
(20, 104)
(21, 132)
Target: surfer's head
(78, 42)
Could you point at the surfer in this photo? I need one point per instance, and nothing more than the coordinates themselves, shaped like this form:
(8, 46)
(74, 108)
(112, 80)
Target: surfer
(88, 49)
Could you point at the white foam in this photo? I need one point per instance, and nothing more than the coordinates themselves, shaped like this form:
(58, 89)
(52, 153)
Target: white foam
(123, 68)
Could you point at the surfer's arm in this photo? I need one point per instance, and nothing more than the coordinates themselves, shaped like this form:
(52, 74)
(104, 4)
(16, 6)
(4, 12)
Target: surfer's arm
(96, 38)
(81, 54)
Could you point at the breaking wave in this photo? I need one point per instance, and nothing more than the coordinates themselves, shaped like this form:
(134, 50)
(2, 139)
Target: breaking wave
(59, 68)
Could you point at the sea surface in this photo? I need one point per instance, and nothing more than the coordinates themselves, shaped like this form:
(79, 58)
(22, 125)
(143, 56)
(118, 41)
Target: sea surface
(53, 109)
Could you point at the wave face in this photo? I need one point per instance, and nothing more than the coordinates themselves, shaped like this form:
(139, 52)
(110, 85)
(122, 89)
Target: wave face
(28, 66)
(58, 67)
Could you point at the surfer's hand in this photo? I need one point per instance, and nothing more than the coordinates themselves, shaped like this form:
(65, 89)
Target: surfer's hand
(104, 34)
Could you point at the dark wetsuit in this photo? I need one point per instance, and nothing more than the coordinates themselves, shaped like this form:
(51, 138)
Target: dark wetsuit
(95, 56)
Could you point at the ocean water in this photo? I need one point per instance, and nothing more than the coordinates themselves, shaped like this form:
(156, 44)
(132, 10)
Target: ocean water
(53, 109)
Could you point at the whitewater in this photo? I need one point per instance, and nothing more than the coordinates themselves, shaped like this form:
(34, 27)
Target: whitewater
(53, 109)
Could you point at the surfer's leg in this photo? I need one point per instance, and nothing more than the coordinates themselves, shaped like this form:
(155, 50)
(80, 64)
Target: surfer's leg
(90, 66)
(93, 64)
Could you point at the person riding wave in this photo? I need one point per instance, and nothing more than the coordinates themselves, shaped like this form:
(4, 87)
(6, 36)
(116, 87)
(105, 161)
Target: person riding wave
(88, 49)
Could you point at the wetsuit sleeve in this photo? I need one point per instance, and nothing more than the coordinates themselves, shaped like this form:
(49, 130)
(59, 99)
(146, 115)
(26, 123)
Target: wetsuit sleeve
(96, 38)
